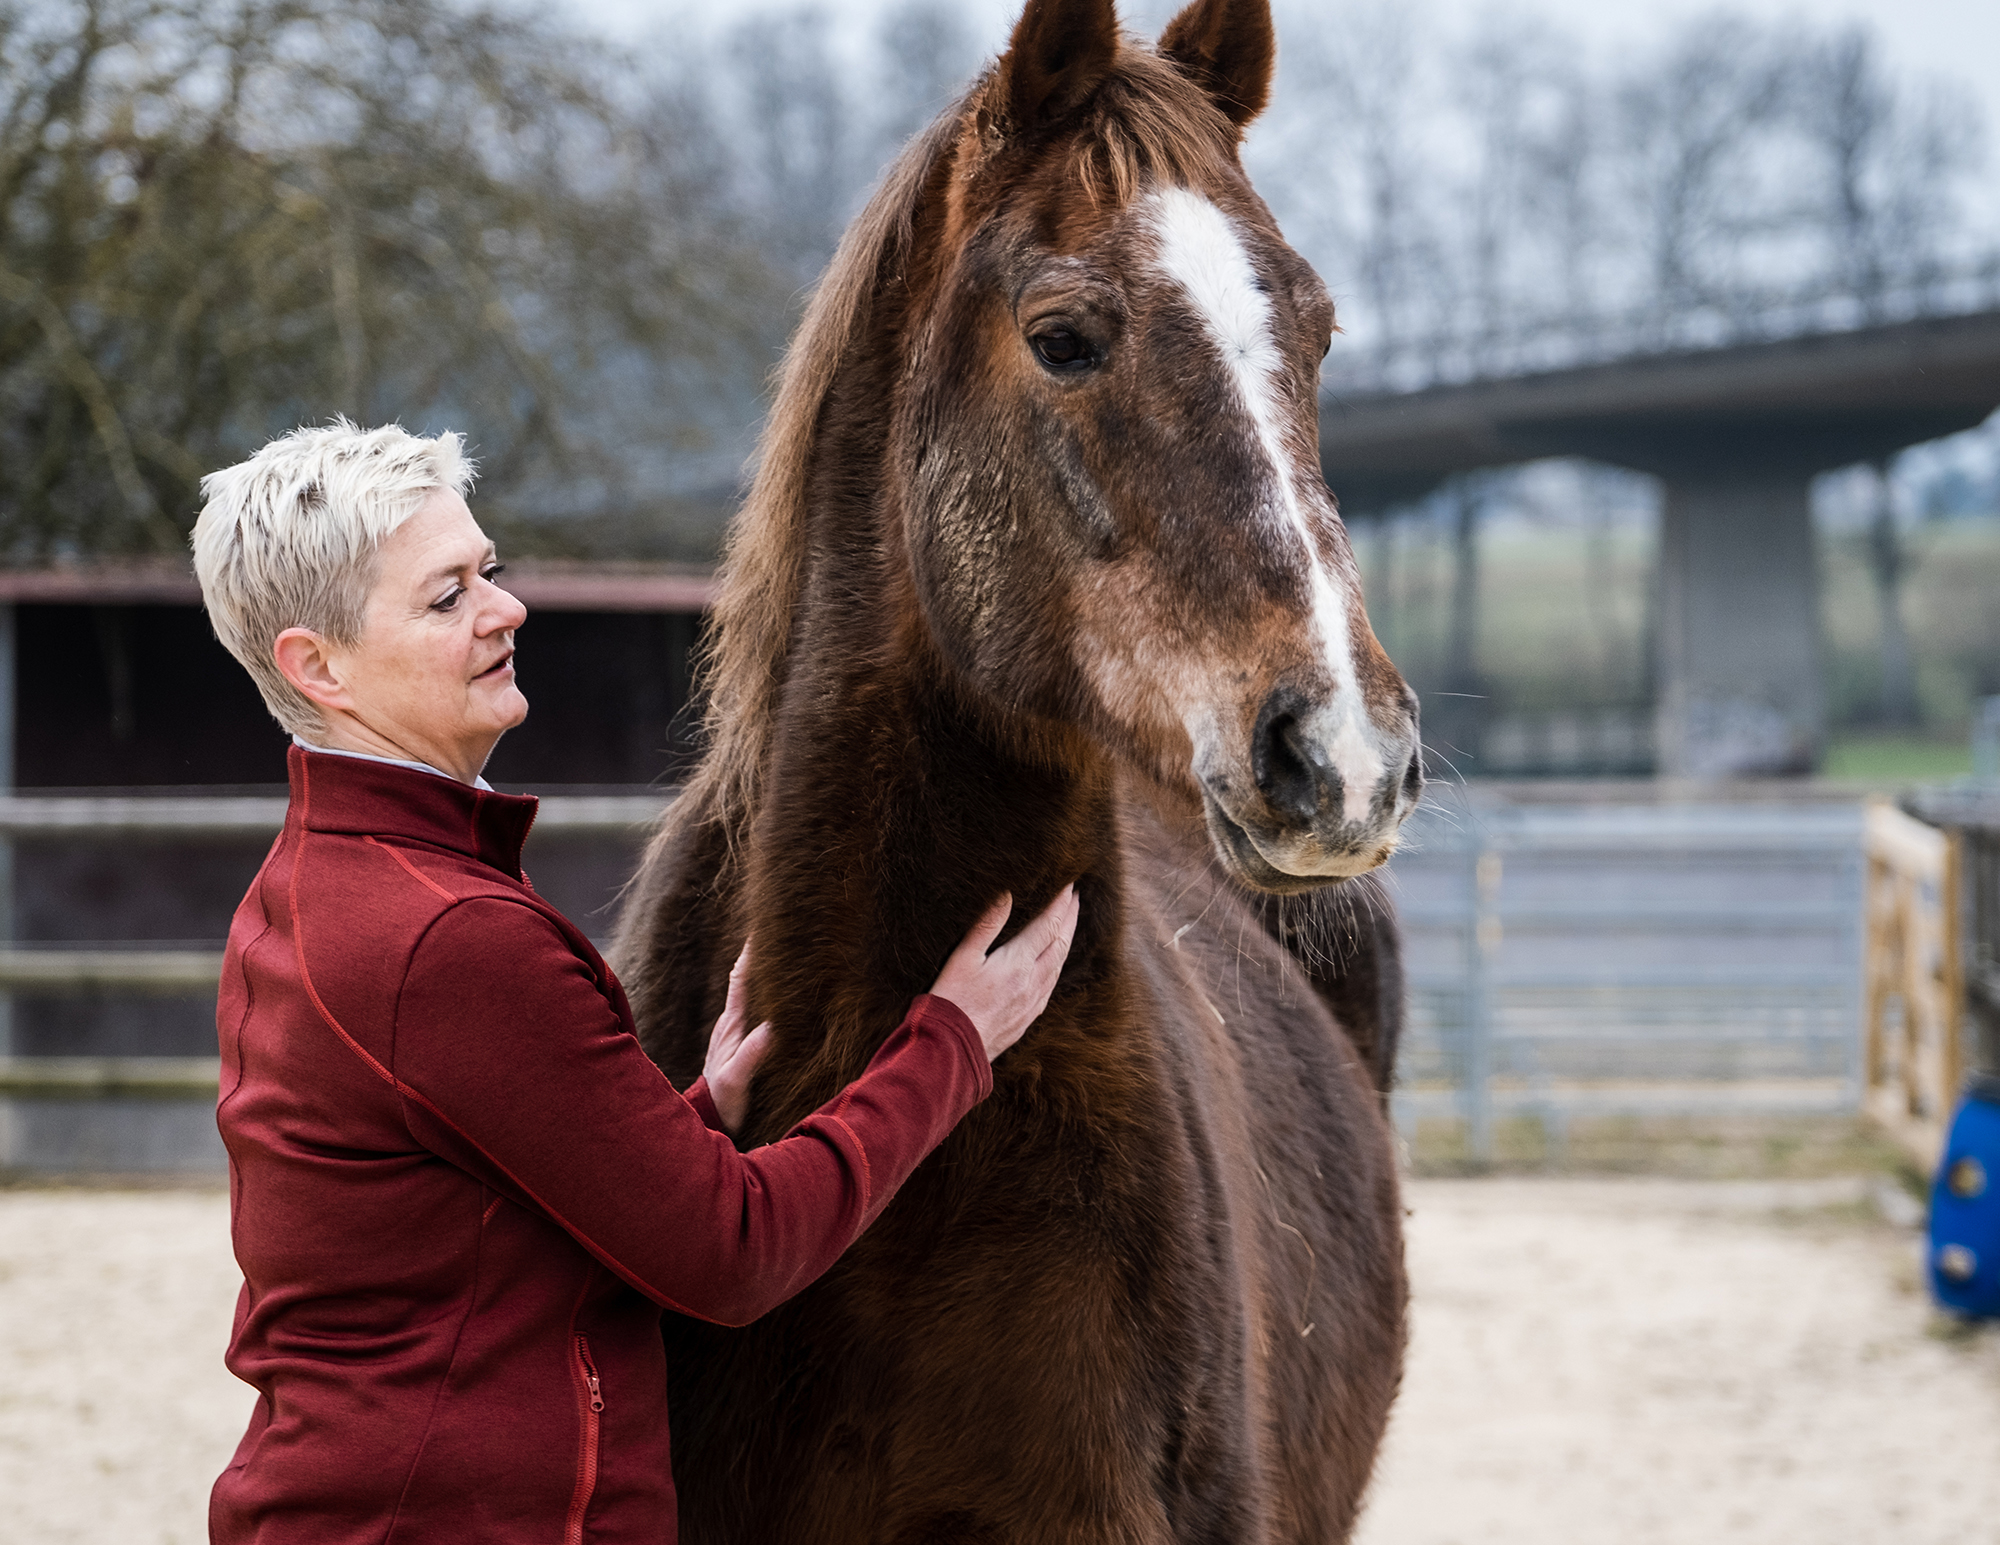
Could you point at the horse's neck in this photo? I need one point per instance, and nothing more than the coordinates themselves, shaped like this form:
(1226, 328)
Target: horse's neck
(894, 813)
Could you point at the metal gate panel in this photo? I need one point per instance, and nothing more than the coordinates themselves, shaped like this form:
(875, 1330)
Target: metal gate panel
(1693, 958)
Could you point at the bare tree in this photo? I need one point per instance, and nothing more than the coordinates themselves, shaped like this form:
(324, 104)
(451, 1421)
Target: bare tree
(1694, 186)
(1889, 563)
(1563, 196)
(801, 152)
(1345, 157)
(220, 219)
(1469, 201)
(1526, 211)
(928, 57)
(1887, 164)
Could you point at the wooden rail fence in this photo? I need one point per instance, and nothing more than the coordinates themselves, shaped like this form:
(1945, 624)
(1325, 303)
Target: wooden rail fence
(129, 968)
(1913, 1020)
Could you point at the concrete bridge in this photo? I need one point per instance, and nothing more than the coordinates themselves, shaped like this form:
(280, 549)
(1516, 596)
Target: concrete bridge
(1736, 434)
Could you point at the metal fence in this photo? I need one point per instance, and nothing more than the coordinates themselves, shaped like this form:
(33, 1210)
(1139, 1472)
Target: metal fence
(131, 818)
(1586, 743)
(156, 1112)
(1565, 960)
(1628, 959)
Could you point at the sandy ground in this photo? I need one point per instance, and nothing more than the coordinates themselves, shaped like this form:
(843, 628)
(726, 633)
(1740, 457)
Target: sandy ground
(1593, 1363)
(1643, 1362)
(115, 1410)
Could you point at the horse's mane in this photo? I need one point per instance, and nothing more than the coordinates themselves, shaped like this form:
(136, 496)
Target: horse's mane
(763, 563)
(1149, 120)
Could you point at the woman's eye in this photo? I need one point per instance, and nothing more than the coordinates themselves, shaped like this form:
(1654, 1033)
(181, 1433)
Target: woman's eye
(445, 603)
(1062, 348)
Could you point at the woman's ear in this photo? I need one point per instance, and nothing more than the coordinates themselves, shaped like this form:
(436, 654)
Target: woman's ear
(306, 661)
(1230, 49)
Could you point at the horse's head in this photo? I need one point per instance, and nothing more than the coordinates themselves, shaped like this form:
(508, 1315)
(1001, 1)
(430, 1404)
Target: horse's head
(1114, 506)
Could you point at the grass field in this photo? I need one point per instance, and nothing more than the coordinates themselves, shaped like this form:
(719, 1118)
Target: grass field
(1891, 759)
(1565, 624)
(1690, 1148)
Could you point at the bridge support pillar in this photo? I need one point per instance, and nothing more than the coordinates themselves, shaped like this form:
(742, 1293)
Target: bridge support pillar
(1741, 692)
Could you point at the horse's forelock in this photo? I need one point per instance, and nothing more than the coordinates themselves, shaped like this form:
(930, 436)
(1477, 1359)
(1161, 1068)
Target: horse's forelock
(1148, 124)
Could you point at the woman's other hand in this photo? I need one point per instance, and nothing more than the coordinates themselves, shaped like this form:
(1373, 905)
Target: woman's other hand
(1005, 992)
(1002, 994)
(733, 1055)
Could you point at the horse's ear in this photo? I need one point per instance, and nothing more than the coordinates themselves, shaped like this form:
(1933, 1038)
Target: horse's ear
(1230, 48)
(1060, 54)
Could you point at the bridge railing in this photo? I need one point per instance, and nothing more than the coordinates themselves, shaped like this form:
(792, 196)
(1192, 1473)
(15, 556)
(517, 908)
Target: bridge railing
(1532, 345)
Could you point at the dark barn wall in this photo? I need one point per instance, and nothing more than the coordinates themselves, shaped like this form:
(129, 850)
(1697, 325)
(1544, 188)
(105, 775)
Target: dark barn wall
(137, 696)
(606, 693)
(150, 891)
(141, 891)
(136, 888)
(129, 696)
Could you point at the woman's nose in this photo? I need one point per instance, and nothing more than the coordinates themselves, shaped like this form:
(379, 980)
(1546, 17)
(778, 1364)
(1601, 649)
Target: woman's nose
(503, 609)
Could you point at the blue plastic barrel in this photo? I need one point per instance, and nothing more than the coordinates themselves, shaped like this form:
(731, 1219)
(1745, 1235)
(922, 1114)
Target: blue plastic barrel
(1965, 1205)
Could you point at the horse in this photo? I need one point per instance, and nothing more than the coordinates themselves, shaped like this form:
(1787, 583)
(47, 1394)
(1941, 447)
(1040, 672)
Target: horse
(1039, 580)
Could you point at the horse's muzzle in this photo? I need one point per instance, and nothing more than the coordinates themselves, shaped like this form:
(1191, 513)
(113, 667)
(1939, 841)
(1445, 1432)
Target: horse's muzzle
(1325, 800)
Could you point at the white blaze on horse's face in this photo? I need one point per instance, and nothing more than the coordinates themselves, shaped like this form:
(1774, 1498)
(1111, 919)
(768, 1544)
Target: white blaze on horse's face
(1355, 782)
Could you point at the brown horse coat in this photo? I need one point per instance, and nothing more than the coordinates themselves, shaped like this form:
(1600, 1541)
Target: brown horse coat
(1152, 1289)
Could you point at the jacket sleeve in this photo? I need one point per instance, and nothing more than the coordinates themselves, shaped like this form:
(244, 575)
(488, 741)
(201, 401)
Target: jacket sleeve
(699, 1096)
(513, 1064)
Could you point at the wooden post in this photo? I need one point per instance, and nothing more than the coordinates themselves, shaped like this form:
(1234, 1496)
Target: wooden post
(7, 713)
(1875, 974)
(1951, 968)
(1483, 956)
(1912, 957)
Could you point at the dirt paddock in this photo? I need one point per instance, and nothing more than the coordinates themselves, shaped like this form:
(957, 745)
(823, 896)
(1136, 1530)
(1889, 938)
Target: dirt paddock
(1594, 1362)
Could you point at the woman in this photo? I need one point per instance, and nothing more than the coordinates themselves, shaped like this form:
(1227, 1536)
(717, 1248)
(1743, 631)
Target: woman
(460, 1193)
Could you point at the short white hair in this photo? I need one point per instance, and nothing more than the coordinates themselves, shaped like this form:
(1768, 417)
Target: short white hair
(288, 539)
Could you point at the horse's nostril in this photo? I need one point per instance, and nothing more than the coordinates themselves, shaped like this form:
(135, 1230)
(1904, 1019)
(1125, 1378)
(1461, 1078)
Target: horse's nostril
(1283, 776)
(1287, 775)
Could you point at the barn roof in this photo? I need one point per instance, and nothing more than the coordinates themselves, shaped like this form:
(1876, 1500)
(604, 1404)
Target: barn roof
(563, 585)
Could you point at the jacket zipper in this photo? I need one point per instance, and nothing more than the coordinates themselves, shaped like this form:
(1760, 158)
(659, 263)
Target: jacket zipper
(586, 1464)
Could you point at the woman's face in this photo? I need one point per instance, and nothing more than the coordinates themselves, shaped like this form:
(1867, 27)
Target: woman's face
(433, 670)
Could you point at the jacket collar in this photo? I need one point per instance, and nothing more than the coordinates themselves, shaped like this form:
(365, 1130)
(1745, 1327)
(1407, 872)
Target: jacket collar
(367, 798)
(394, 761)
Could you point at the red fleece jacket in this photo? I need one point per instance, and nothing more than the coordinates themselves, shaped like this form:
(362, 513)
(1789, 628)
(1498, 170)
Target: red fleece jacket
(460, 1193)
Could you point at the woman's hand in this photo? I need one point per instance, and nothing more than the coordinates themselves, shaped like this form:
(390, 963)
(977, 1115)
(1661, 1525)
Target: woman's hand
(732, 1055)
(1005, 992)
(1002, 994)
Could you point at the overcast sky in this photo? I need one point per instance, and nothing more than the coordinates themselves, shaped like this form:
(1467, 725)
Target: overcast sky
(1957, 38)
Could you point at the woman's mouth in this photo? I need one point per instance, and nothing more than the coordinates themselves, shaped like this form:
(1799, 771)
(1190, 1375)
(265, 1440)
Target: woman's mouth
(502, 666)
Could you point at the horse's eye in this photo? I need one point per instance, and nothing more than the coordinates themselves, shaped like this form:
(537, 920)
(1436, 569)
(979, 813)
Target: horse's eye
(1062, 348)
